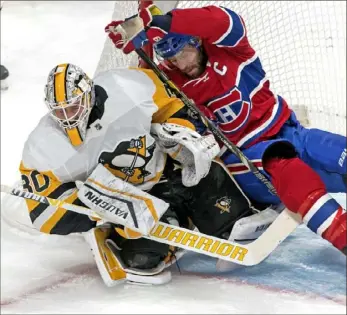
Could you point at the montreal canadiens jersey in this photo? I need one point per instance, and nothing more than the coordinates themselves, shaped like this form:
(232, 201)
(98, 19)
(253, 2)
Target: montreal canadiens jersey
(118, 136)
(234, 85)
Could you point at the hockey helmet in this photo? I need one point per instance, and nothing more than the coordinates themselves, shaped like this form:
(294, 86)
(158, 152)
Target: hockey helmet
(173, 43)
(69, 96)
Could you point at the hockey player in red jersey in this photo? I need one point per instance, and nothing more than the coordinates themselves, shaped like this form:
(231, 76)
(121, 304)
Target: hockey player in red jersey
(205, 51)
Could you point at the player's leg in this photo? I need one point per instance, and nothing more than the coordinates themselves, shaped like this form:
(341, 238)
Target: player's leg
(140, 260)
(299, 187)
(303, 191)
(255, 190)
(324, 151)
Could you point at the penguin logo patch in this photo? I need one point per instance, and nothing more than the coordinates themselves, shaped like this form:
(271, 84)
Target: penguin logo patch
(223, 204)
(129, 159)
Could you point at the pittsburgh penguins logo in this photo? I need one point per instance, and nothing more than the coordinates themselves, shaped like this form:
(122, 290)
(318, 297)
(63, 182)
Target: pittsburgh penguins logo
(223, 204)
(129, 159)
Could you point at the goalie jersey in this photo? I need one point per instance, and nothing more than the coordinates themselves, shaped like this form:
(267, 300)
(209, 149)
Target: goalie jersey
(118, 136)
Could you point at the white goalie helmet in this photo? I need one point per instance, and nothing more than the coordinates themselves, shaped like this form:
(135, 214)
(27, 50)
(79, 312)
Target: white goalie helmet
(69, 95)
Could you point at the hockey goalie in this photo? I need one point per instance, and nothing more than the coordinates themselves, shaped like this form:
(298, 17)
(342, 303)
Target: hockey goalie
(135, 160)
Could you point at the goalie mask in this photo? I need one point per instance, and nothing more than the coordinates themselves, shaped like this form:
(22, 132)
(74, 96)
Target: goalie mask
(69, 95)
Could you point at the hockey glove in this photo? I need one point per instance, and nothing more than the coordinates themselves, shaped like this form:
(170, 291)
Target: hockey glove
(127, 35)
(193, 151)
(136, 31)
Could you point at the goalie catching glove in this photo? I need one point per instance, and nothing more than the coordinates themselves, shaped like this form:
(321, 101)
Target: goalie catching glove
(119, 202)
(193, 151)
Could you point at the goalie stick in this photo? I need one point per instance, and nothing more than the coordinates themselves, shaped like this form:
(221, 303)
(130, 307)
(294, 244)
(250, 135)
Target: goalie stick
(247, 255)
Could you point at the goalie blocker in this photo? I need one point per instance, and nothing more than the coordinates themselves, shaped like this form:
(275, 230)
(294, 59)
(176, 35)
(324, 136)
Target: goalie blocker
(216, 206)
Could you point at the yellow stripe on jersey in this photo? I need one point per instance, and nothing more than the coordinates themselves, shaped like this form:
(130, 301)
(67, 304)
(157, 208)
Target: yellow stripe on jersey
(54, 189)
(74, 136)
(59, 83)
(57, 215)
(54, 183)
(167, 106)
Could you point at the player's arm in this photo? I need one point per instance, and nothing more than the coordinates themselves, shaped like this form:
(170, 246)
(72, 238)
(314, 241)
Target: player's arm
(168, 107)
(215, 24)
(48, 219)
(228, 27)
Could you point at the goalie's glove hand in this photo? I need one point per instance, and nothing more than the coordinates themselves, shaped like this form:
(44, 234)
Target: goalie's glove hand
(193, 151)
(136, 31)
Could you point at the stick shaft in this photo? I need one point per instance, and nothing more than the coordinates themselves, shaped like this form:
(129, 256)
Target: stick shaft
(248, 255)
(216, 131)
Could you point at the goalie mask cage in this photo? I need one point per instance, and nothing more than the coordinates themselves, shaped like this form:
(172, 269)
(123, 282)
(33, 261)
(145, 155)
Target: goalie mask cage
(302, 46)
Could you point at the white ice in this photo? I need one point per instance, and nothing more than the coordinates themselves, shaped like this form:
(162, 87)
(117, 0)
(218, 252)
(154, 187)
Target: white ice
(52, 274)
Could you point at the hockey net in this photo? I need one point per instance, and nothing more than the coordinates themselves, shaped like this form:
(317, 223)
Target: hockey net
(302, 45)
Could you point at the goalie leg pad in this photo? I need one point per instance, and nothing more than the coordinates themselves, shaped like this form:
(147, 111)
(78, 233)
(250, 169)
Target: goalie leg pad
(142, 253)
(140, 261)
(145, 254)
(108, 265)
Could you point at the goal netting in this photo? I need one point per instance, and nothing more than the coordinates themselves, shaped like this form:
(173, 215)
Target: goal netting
(302, 45)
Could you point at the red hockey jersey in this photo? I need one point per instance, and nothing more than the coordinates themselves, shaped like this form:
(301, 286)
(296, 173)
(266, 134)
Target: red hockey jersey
(234, 85)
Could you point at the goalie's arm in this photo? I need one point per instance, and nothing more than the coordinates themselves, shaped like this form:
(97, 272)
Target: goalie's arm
(169, 109)
(48, 219)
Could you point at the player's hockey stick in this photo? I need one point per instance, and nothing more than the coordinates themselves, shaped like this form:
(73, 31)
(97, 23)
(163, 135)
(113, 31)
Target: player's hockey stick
(248, 255)
(195, 110)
